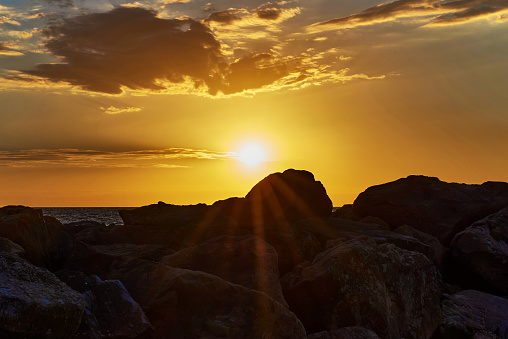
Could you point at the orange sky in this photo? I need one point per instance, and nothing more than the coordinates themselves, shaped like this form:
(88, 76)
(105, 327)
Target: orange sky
(116, 103)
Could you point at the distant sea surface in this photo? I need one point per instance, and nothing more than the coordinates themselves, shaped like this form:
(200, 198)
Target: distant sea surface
(105, 215)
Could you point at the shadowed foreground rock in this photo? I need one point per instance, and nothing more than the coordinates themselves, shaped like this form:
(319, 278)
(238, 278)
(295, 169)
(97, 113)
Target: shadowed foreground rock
(190, 304)
(430, 205)
(353, 332)
(43, 239)
(248, 261)
(389, 290)
(34, 302)
(483, 248)
(474, 314)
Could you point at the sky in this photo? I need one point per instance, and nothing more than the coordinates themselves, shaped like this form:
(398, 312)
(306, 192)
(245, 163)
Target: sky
(127, 103)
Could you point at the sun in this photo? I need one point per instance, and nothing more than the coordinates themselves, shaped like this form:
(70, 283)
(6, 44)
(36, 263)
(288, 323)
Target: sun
(252, 154)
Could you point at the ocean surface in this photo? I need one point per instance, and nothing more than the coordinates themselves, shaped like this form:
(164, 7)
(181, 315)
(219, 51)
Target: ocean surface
(105, 215)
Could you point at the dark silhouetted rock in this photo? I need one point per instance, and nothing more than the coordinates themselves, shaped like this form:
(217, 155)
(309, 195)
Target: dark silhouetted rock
(392, 291)
(331, 231)
(42, 238)
(346, 212)
(483, 249)
(474, 314)
(33, 302)
(152, 252)
(430, 205)
(115, 312)
(437, 252)
(353, 332)
(162, 214)
(12, 248)
(77, 280)
(286, 196)
(248, 261)
(187, 304)
(90, 232)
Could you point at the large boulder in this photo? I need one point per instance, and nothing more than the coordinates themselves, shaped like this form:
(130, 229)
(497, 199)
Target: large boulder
(483, 249)
(392, 291)
(248, 261)
(33, 302)
(430, 205)
(437, 251)
(114, 311)
(190, 304)
(12, 248)
(290, 195)
(474, 314)
(42, 238)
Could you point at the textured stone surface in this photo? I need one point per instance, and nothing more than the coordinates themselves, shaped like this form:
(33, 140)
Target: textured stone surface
(187, 304)
(483, 248)
(12, 248)
(437, 251)
(34, 302)
(430, 205)
(474, 314)
(389, 290)
(248, 261)
(42, 238)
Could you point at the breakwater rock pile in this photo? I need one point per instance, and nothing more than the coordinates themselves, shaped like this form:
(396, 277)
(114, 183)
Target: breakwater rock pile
(413, 258)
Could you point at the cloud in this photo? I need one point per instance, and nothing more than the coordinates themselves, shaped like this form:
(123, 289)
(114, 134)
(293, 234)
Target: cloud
(269, 11)
(6, 51)
(129, 47)
(7, 20)
(166, 158)
(119, 110)
(225, 17)
(437, 11)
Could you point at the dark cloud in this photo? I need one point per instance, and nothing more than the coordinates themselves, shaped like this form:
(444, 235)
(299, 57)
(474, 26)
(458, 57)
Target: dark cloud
(2, 47)
(443, 12)
(130, 47)
(225, 17)
(61, 3)
(268, 11)
(133, 48)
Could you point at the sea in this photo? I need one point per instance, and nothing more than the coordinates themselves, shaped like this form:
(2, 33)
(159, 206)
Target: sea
(104, 215)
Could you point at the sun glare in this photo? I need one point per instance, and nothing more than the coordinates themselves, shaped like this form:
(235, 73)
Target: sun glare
(252, 155)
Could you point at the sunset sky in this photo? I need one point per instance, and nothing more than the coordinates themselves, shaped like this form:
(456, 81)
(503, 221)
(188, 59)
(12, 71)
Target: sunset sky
(123, 103)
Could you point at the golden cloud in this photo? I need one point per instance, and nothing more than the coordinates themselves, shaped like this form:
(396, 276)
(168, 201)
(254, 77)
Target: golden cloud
(106, 159)
(119, 110)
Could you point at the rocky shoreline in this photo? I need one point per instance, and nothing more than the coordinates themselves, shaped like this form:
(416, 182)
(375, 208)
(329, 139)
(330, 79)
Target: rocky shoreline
(413, 258)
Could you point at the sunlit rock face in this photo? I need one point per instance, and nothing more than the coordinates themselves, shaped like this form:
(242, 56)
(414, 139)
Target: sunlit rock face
(392, 291)
(431, 205)
(290, 195)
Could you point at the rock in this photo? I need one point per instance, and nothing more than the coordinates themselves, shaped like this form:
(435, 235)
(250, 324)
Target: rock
(332, 231)
(474, 314)
(392, 291)
(162, 214)
(152, 252)
(12, 248)
(116, 313)
(187, 304)
(346, 212)
(286, 196)
(42, 238)
(77, 280)
(483, 249)
(248, 261)
(437, 252)
(430, 205)
(353, 332)
(33, 302)
(90, 232)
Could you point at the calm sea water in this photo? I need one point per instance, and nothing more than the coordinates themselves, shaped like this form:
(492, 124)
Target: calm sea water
(106, 215)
